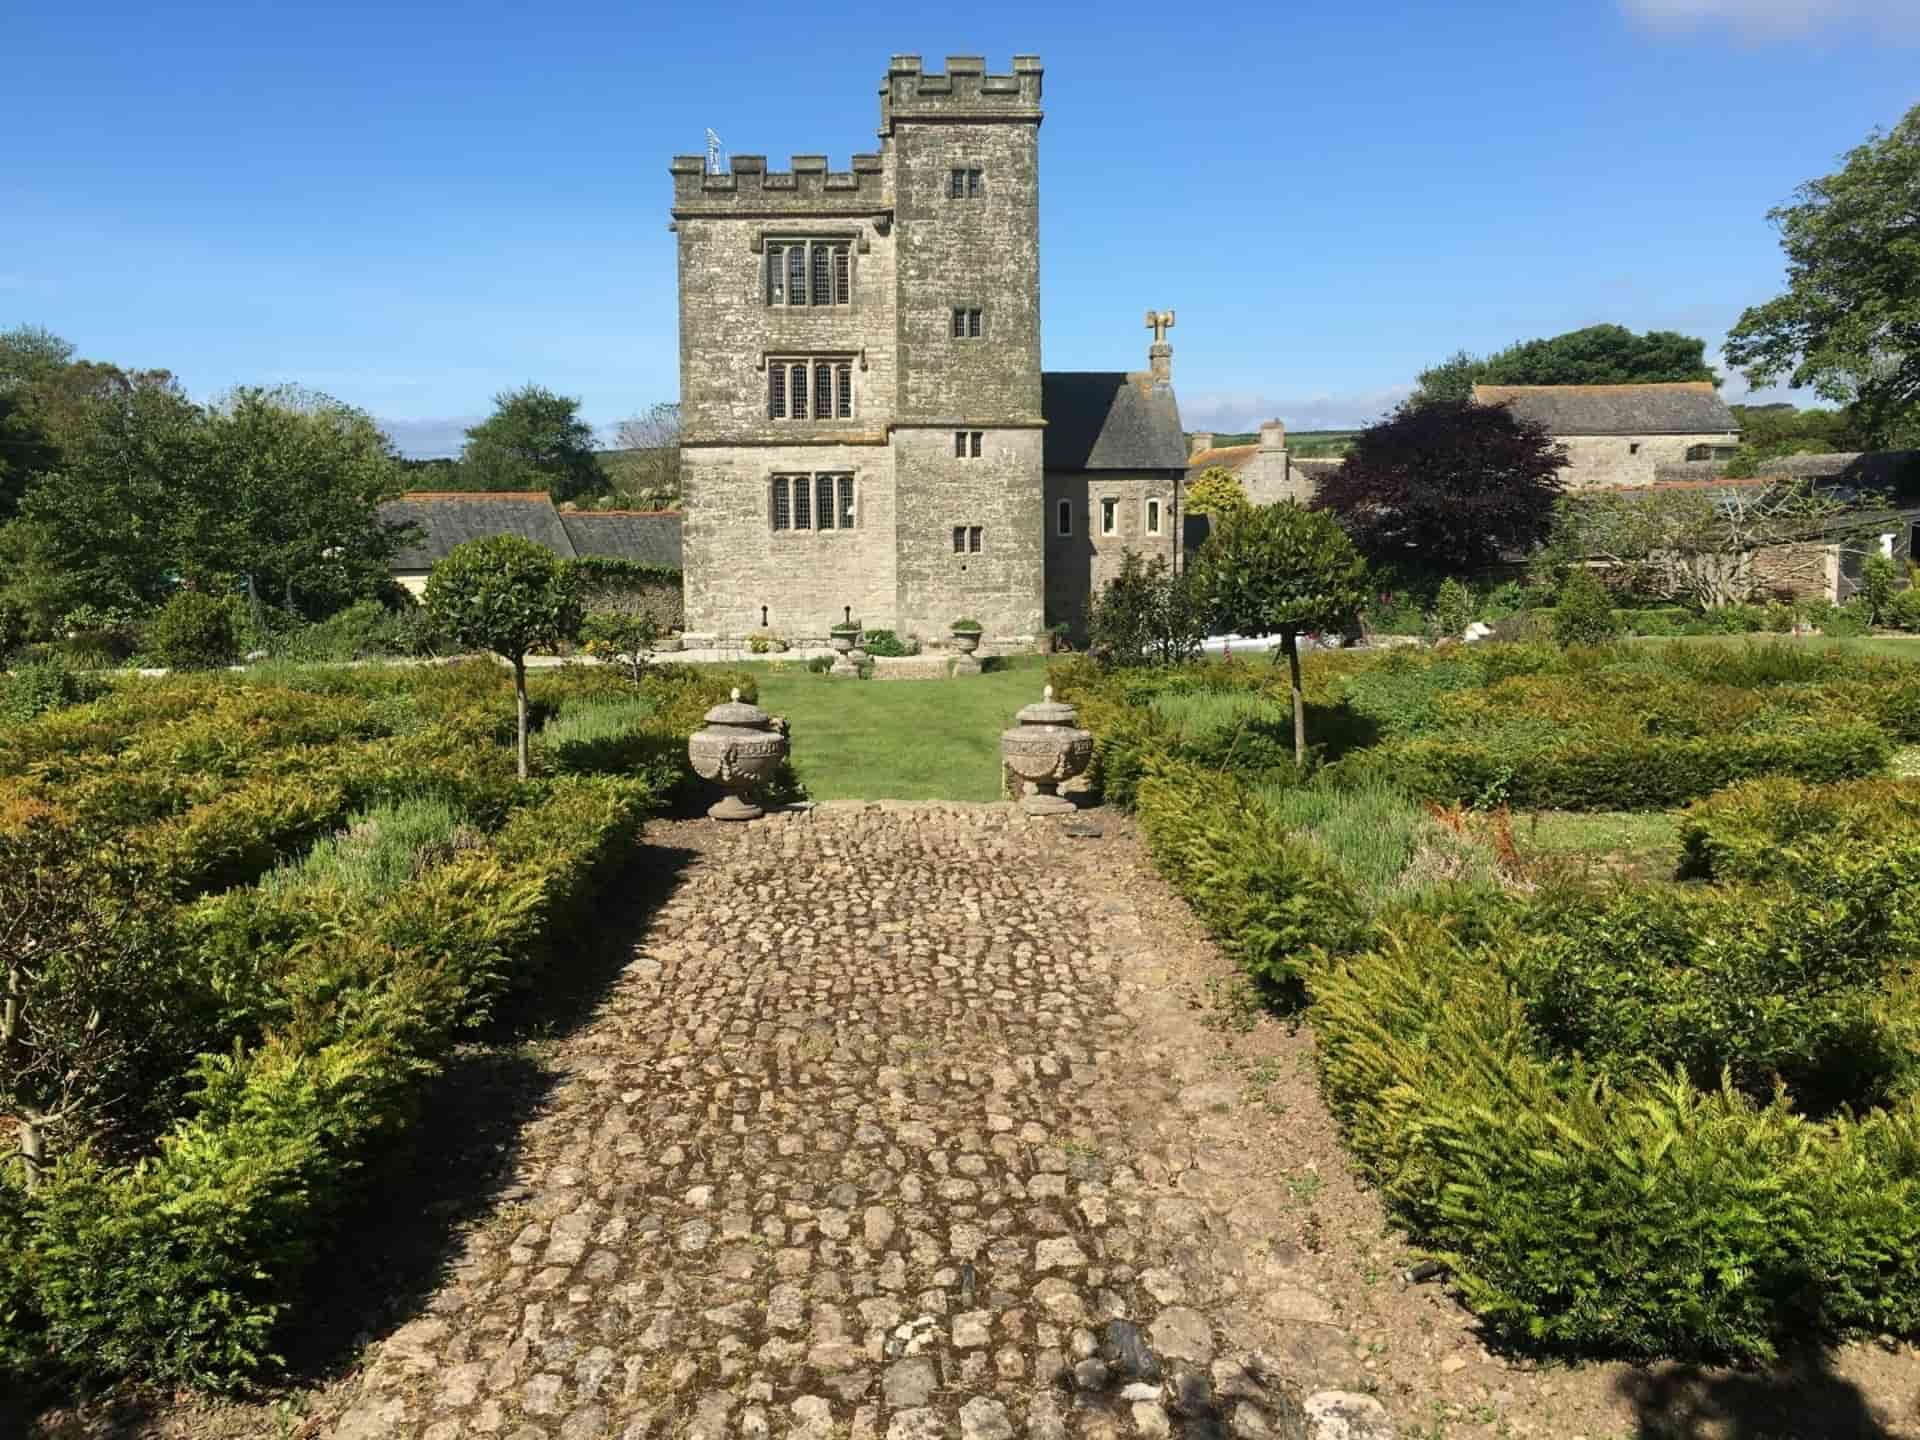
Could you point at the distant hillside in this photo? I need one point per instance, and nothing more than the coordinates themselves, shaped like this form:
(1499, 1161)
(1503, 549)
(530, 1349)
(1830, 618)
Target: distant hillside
(1302, 444)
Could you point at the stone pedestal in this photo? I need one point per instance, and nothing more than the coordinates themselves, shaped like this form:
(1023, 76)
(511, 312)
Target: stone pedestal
(739, 748)
(1045, 750)
(844, 666)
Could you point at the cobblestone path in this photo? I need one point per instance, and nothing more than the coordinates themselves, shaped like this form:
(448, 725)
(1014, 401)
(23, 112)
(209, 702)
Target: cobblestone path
(856, 1148)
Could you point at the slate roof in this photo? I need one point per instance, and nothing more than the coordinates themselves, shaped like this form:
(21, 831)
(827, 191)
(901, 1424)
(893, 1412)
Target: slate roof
(1110, 420)
(649, 536)
(448, 517)
(1896, 472)
(1691, 407)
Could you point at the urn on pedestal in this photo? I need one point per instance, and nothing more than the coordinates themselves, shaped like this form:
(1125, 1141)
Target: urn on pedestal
(739, 748)
(842, 638)
(1046, 750)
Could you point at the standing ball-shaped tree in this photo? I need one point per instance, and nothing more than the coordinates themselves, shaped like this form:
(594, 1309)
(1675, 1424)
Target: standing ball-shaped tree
(510, 596)
(1281, 570)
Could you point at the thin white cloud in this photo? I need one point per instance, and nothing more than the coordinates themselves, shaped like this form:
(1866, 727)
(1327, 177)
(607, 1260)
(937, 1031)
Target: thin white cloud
(1774, 19)
(429, 439)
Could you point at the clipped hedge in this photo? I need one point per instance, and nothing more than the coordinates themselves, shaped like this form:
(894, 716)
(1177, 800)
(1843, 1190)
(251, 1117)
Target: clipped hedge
(1646, 1220)
(1782, 828)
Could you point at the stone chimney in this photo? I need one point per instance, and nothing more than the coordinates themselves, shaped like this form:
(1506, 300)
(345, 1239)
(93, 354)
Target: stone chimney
(1202, 440)
(1273, 435)
(1160, 353)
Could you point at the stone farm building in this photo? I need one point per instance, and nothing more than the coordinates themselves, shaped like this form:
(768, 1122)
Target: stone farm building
(866, 426)
(1266, 470)
(443, 519)
(1616, 435)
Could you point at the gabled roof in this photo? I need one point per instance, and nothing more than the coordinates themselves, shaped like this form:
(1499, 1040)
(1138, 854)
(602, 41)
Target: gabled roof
(1110, 420)
(448, 517)
(1227, 457)
(1688, 407)
(650, 536)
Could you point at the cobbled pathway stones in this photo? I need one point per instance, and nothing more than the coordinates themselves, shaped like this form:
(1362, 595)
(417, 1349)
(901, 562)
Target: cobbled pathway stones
(849, 1153)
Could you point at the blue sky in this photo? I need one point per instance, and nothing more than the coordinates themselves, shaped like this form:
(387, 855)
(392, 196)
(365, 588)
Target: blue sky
(413, 206)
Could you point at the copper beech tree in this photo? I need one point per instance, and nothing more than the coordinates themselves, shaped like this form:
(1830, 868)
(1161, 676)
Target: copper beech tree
(1446, 488)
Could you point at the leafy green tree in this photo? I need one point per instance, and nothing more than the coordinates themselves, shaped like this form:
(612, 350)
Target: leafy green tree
(1600, 355)
(1146, 615)
(1281, 569)
(26, 450)
(534, 440)
(1584, 613)
(1452, 379)
(1216, 490)
(646, 474)
(289, 507)
(1596, 355)
(508, 595)
(1446, 487)
(1849, 322)
(31, 353)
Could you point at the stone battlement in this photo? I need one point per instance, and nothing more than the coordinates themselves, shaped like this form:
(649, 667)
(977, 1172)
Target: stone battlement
(749, 185)
(964, 92)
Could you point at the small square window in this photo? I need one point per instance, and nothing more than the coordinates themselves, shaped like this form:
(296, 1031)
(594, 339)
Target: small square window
(966, 323)
(1063, 518)
(1633, 447)
(963, 184)
(1109, 516)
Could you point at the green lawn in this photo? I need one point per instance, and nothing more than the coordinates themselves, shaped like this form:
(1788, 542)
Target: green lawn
(900, 739)
(1898, 647)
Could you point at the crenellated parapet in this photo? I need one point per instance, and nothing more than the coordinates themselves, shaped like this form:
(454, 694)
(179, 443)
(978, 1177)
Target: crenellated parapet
(965, 92)
(748, 187)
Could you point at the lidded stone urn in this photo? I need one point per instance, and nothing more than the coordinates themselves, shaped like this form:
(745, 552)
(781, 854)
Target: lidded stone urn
(1046, 750)
(740, 748)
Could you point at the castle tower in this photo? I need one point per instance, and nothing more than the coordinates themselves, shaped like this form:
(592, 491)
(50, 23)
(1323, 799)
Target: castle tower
(860, 370)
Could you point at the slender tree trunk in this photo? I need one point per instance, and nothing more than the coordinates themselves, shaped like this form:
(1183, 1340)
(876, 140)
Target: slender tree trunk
(1291, 639)
(520, 699)
(33, 1146)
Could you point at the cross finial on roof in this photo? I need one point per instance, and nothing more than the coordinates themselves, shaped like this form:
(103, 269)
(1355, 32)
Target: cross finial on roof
(1159, 321)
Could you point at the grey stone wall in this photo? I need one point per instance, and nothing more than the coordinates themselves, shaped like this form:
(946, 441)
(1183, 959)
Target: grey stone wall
(736, 561)
(1001, 585)
(1612, 461)
(1079, 564)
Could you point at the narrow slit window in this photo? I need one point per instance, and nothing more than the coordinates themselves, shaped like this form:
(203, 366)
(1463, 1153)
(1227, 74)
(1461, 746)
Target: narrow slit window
(956, 184)
(973, 539)
(823, 503)
(842, 275)
(797, 374)
(973, 184)
(973, 324)
(823, 391)
(1109, 516)
(959, 444)
(843, 389)
(959, 539)
(959, 324)
(822, 275)
(1063, 518)
(782, 516)
(846, 502)
(776, 275)
(776, 392)
(1153, 517)
(796, 275)
(802, 509)
(976, 445)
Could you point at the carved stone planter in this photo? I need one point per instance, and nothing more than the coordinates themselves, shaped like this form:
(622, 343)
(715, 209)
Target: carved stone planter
(842, 637)
(1045, 750)
(740, 749)
(966, 642)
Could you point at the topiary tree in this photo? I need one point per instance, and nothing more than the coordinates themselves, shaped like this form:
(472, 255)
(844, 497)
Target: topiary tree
(1281, 569)
(1584, 615)
(193, 631)
(1216, 491)
(507, 595)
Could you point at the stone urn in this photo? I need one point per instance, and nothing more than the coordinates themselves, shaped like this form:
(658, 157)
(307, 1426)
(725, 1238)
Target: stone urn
(966, 642)
(1045, 750)
(842, 638)
(739, 748)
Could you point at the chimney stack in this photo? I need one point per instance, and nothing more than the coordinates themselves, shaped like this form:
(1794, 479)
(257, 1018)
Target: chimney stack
(1202, 440)
(1273, 435)
(1160, 353)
